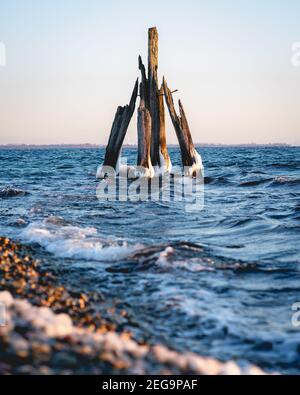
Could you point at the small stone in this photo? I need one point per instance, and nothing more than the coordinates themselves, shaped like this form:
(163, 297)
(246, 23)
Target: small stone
(205, 366)
(230, 368)
(63, 325)
(254, 370)
(19, 345)
(6, 298)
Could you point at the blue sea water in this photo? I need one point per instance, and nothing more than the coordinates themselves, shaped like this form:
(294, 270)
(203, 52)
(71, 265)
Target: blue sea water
(219, 282)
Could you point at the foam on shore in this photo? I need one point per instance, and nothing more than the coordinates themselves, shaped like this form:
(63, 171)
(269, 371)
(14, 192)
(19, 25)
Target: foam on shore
(67, 241)
(51, 338)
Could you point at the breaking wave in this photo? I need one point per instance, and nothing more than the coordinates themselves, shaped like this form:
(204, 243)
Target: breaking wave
(286, 180)
(178, 256)
(67, 241)
(254, 183)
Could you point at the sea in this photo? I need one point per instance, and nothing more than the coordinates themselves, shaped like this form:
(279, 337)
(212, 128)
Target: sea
(221, 281)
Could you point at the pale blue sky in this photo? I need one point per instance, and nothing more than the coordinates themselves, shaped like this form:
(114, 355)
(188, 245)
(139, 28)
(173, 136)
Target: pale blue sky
(71, 63)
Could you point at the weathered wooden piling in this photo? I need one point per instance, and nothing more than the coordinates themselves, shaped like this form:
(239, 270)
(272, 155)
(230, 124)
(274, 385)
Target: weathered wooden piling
(189, 155)
(153, 101)
(144, 124)
(144, 140)
(153, 94)
(152, 145)
(162, 132)
(119, 129)
(144, 129)
(144, 85)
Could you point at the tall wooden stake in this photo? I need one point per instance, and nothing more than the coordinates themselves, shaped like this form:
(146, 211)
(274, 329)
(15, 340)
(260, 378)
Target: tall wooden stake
(119, 129)
(188, 152)
(144, 139)
(153, 100)
(144, 127)
(153, 94)
(162, 131)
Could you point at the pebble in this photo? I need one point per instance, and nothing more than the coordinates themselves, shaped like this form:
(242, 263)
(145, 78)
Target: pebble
(6, 298)
(230, 368)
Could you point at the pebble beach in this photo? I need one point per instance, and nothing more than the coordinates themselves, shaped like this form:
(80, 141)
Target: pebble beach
(49, 329)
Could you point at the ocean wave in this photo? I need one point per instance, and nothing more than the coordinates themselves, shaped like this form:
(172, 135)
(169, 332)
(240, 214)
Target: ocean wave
(8, 192)
(66, 166)
(165, 261)
(279, 180)
(216, 180)
(253, 183)
(66, 241)
(289, 180)
(235, 222)
(292, 165)
(178, 256)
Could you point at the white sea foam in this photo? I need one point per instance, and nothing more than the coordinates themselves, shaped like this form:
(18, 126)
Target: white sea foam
(197, 166)
(165, 165)
(122, 170)
(286, 180)
(166, 260)
(74, 242)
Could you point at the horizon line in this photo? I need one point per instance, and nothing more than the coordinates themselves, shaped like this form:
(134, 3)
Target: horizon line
(93, 145)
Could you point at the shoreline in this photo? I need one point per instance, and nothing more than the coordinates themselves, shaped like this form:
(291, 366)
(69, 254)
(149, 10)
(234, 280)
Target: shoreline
(51, 329)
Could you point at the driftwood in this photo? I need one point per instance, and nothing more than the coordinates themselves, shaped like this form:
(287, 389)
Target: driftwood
(189, 154)
(119, 129)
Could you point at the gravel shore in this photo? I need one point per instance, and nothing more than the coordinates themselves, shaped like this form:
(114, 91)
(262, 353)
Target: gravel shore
(50, 329)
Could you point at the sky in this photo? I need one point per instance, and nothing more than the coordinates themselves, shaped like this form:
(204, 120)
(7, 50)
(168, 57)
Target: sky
(69, 64)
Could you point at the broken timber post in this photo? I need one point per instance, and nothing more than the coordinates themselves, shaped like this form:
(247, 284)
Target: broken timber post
(153, 93)
(144, 141)
(144, 88)
(144, 128)
(189, 155)
(153, 101)
(162, 132)
(119, 129)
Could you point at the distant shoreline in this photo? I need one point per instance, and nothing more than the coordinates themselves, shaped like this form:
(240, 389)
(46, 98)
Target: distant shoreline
(97, 146)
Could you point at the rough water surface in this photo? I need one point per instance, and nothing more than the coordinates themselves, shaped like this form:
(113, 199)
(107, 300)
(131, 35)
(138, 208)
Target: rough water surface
(219, 282)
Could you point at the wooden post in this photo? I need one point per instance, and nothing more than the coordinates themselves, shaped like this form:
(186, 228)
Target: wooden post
(152, 99)
(119, 129)
(144, 85)
(144, 140)
(153, 94)
(162, 131)
(189, 155)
